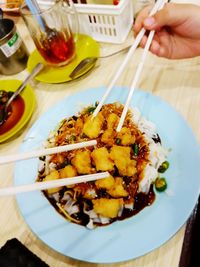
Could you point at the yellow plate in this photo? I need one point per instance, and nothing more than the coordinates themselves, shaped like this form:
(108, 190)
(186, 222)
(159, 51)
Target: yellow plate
(29, 101)
(85, 47)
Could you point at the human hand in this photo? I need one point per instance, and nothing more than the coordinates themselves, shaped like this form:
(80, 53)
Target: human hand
(177, 29)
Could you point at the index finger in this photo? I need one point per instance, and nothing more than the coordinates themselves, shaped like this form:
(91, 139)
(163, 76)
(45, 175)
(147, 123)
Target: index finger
(142, 15)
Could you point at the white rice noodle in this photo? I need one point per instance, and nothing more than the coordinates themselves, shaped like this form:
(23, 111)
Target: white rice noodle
(52, 166)
(91, 213)
(136, 115)
(104, 220)
(66, 196)
(97, 220)
(101, 219)
(150, 175)
(51, 140)
(47, 169)
(90, 225)
(157, 154)
(70, 208)
(129, 206)
(56, 196)
(41, 165)
(120, 211)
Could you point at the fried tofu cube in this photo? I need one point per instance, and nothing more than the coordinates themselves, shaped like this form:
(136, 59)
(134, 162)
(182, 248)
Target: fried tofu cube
(54, 175)
(120, 152)
(130, 168)
(82, 162)
(108, 137)
(105, 183)
(112, 121)
(117, 189)
(79, 125)
(107, 207)
(68, 171)
(102, 159)
(121, 157)
(57, 158)
(93, 126)
(126, 137)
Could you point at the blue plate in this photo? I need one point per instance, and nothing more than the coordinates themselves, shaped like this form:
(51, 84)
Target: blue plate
(133, 237)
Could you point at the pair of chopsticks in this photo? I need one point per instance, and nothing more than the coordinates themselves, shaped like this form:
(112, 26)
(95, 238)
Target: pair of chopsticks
(158, 5)
(49, 184)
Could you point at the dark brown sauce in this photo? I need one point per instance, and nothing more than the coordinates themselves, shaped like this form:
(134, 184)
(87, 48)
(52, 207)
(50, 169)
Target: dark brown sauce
(17, 109)
(141, 201)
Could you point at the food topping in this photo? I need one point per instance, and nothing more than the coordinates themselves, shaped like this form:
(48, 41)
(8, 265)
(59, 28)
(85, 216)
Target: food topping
(130, 156)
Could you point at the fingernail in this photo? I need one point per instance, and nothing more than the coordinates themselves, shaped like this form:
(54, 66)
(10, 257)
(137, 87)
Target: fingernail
(149, 21)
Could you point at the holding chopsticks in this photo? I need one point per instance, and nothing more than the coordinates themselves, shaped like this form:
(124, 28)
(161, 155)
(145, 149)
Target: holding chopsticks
(158, 5)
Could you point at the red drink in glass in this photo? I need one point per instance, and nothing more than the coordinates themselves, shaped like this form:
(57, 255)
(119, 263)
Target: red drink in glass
(56, 48)
(50, 25)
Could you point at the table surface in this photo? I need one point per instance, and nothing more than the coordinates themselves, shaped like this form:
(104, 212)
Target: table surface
(177, 82)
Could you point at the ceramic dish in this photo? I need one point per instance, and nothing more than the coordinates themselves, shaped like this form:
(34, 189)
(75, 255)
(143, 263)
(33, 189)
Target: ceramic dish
(86, 47)
(140, 234)
(13, 10)
(10, 6)
(29, 100)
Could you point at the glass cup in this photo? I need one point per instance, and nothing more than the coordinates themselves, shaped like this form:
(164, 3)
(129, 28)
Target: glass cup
(50, 26)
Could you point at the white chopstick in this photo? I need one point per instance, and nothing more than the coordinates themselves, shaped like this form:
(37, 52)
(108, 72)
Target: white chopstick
(6, 191)
(135, 81)
(127, 58)
(44, 152)
(136, 77)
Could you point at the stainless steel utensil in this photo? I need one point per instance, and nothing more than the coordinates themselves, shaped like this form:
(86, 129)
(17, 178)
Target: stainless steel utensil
(4, 111)
(87, 63)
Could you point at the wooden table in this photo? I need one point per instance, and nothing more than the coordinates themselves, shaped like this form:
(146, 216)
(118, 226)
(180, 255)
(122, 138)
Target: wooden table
(178, 82)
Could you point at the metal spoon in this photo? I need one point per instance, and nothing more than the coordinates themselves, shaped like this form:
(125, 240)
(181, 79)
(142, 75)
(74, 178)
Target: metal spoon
(87, 63)
(4, 111)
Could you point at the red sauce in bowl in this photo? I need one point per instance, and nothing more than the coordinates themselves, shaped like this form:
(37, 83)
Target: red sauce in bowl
(16, 111)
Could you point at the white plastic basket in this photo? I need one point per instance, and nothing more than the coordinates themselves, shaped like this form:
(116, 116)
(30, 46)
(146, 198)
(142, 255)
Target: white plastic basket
(106, 23)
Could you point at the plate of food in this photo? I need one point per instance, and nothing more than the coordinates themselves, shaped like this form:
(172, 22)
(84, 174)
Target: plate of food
(10, 5)
(85, 46)
(152, 163)
(20, 110)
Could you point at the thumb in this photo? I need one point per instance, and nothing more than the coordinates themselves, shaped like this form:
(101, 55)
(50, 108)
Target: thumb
(168, 16)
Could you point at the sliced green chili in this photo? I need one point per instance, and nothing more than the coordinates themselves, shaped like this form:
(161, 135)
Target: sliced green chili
(72, 138)
(118, 141)
(160, 184)
(91, 109)
(163, 167)
(135, 148)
